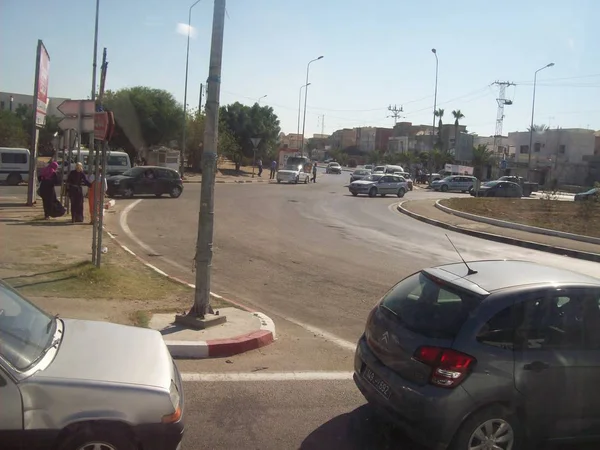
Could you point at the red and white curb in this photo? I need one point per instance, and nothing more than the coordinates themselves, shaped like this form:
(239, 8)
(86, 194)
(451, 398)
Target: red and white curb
(109, 204)
(215, 348)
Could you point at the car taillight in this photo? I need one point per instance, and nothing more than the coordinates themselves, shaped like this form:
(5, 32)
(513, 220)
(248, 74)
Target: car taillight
(449, 367)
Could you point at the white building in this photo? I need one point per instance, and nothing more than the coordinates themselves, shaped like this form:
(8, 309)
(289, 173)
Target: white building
(503, 144)
(14, 100)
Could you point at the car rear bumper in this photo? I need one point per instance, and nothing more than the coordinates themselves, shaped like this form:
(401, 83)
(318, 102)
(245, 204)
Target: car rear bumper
(427, 414)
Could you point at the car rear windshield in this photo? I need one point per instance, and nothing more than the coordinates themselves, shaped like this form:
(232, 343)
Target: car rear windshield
(430, 307)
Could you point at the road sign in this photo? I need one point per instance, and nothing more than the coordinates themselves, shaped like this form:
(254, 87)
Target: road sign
(72, 109)
(255, 142)
(41, 95)
(103, 125)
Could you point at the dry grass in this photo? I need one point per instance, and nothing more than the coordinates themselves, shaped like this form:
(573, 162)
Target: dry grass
(571, 217)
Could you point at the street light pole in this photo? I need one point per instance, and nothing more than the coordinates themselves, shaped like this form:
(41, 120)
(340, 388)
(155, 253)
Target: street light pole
(299, 107)
(305, 97)
(260, 98)
(187, 63)
(434, 51)
(530, 150)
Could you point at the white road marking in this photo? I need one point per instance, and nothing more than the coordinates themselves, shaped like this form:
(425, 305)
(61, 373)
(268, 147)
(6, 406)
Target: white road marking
(267, 376)
(347, 345)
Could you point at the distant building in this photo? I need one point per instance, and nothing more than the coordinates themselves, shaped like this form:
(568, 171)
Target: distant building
(503, 144)
(14, 100)
(343, 138)
(292, 141)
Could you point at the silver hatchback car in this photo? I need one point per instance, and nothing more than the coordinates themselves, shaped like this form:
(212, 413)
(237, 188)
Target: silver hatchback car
(77, 385)
(493, 355)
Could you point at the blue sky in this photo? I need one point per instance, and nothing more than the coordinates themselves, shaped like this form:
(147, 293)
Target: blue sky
(375, 54)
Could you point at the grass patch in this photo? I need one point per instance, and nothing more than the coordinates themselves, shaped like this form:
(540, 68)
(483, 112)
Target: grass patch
(141, 318)
(570, 217)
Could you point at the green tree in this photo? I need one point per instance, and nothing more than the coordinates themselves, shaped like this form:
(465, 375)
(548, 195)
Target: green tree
(245, 122)
(440, 158)
(144, 117)
(439, 113)
(195, 139)
(458, 115)
(481, 158)
(12, 133)
(228, 145)
(539, 128)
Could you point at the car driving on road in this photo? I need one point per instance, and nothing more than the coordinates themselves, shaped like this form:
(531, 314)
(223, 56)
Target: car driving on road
(486, 355)
(333, 167)
(379, 184)
(296, 170)
(498, 189)
(77, 385)
(145, 180)
(462, 183)
(359, 174)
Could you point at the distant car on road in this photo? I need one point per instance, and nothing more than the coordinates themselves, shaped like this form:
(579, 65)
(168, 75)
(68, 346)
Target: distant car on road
(145, 180)
(498, 189)
(297, 170)
(359, 174)
(77, 385)
(592, 194)
(407, 177)
(378, 169)
(334, 167)
(462, 183)
(482, 356)
(379, 184)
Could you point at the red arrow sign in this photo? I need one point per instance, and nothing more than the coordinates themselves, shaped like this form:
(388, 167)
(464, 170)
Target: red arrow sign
(101, 125)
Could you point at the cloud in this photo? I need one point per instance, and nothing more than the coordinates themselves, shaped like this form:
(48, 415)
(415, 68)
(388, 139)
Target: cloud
(184, 29)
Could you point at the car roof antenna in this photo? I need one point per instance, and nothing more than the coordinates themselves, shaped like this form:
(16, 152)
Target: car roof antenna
(470, 271)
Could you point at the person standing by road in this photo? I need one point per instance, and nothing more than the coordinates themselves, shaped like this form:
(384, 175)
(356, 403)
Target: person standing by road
(314, 170)
(259, 164)
(75, 182)
(92, 193)
(48, 179)
(273, 170)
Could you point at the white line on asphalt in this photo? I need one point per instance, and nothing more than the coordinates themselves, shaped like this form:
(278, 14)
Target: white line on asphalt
(347, 345)
(267, 376)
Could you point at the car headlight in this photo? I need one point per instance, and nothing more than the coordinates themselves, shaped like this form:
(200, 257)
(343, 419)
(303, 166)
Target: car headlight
(175, 400)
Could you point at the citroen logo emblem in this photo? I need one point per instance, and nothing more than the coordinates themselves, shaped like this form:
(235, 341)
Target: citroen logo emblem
(385, 337)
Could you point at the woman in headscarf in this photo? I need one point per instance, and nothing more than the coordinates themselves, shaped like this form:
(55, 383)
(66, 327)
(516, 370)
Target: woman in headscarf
(75, 182)
(48, 179)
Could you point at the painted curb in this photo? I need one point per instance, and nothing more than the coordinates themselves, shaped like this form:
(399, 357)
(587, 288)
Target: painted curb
(595, 257)
(216, 348)
(517, 226)
(109, 204)
(226, 182)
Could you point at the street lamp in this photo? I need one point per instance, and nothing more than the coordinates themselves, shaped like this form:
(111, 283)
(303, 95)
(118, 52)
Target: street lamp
(305, 96)
(260, 98)
(187, 61)
(300, 106)
(434, 51)
(532, 114)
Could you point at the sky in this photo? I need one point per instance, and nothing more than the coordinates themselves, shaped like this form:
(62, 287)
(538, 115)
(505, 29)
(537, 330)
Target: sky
(375, 54)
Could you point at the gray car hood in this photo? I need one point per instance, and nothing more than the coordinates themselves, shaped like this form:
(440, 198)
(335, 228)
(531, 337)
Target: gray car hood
(104, 352)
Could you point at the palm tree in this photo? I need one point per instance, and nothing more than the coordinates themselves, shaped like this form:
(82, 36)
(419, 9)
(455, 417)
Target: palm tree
(481, 158)
(539, 128)
(457, 113)
(439, 113)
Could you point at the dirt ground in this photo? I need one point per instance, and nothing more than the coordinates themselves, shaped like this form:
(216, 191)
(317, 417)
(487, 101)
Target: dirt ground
(571, 217)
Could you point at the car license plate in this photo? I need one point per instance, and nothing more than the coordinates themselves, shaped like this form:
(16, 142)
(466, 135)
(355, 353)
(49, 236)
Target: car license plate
(377, 383)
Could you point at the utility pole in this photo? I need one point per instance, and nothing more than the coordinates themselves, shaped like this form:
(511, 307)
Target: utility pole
(201, 314)
(395, 113)
(502, 102)
(200, 99)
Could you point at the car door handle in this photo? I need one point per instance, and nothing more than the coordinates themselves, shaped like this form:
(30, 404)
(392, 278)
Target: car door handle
(536, 366)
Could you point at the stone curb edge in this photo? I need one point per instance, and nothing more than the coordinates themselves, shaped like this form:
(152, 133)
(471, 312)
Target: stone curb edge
(226, 182)
(215, 348)
(517, 226)
(503, 239)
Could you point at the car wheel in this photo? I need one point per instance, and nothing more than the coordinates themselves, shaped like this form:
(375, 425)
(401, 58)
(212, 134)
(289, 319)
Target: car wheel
(158, 194)
(128, 192)
(383, 195)
(373, 192)
(444, 188)
(305, 180)
(296, 180)
(175, 192)
(13, 179)
(94, 437)
(278, 181)
(495, 427)
(401, 192)
(355, 194)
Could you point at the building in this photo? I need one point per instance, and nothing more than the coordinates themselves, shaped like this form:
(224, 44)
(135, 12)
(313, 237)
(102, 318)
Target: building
(503, 144)
(398, 144)
(292, 141)
(343, 138)
(369, 139)
(11, 101)
(557, 154)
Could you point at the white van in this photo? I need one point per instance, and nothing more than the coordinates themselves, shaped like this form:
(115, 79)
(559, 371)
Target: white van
(14, 165)
(116, 162)
(391, 169)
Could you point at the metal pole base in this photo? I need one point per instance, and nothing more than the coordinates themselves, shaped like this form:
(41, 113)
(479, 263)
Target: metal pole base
(195, 322)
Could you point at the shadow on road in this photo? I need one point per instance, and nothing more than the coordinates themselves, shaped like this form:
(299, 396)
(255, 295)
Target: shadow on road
(360, 429)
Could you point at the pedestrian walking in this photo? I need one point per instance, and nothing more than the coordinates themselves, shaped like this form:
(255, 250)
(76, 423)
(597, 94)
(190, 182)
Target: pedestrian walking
(94, 187)
(273, 170)
(260, 168)
(48, 179)
(75, 182)
(314, 177)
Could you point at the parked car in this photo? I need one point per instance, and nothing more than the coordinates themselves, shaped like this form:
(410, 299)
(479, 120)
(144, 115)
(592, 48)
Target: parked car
(379, 184)
(527, 186)
(14, 165)
(462, 183)
(359, 174)
(145, 180)
(333, 167)
(407, 177)
(498, 189)
(378, 169)
(76, 384)
(592, 194)
(486, 355)
(369, 167)
(389, 168)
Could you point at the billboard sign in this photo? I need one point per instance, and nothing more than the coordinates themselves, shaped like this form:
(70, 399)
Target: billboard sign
(41, 84)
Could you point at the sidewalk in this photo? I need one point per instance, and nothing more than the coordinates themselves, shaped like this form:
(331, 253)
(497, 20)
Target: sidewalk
(48, 261)
(425, 211)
